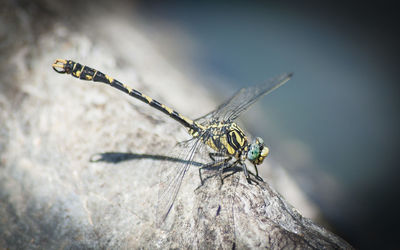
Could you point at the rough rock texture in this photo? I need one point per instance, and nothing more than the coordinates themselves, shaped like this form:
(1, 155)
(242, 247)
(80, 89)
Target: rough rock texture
(52, 196)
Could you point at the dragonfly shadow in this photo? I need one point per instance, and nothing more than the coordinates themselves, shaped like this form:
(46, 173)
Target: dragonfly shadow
(118, 157)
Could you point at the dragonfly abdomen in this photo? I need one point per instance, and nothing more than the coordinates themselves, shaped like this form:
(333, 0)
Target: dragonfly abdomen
(86, 73)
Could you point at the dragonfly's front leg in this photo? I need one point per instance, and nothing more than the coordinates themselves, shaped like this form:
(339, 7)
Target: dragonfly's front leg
(247, 173)
(257, 176)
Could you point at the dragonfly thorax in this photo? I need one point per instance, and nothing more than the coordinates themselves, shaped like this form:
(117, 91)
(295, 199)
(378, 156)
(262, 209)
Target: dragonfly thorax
(228, 138)
(225, 137)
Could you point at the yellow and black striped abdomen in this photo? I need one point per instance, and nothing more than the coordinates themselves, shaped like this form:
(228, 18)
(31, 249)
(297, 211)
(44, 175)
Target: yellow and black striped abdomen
(227, 138)
(86, 73)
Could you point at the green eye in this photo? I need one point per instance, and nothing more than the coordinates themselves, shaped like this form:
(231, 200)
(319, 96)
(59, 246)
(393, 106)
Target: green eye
(254, 152)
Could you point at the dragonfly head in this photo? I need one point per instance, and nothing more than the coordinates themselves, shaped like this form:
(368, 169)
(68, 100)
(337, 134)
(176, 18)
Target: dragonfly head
(257, 151)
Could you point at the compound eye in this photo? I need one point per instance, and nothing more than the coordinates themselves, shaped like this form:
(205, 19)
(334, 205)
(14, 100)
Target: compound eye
(254, 152)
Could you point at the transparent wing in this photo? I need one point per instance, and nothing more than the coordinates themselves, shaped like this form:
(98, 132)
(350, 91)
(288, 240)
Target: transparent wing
(243, 99)
(172, 174)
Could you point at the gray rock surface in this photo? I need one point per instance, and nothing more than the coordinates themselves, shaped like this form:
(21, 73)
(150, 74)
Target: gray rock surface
(53, 196)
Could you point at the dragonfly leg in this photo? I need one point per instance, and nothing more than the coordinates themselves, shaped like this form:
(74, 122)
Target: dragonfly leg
(246, 173)
(201, 179)
(256, 175)
(215, 163)
(221, 170)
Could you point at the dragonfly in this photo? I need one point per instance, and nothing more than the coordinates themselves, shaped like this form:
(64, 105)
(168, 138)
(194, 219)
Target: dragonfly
(227, 143)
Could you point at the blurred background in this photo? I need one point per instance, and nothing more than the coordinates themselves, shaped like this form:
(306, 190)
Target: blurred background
(334, 126)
